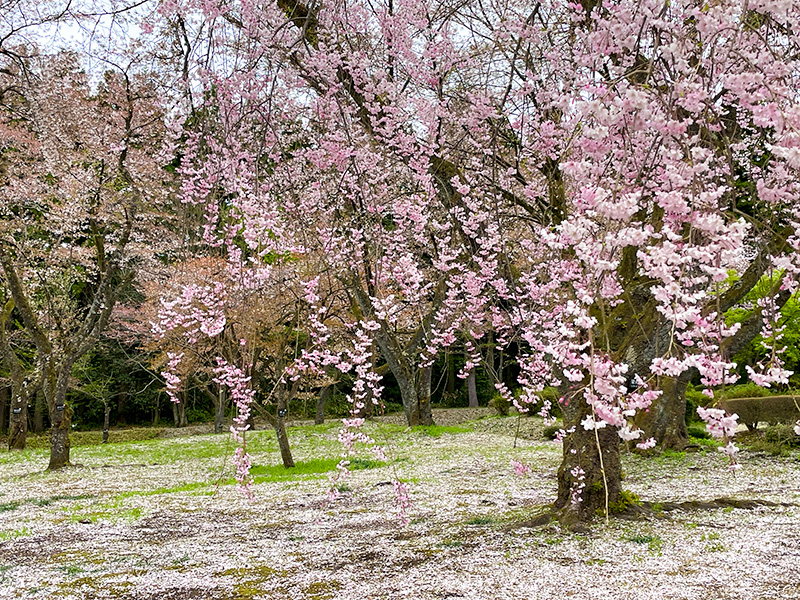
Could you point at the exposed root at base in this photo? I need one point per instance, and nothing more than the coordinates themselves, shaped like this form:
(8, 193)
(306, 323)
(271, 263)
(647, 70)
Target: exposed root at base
(639, 511)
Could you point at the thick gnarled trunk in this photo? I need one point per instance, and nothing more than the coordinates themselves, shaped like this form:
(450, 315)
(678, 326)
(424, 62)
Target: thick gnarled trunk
(665, 420)
(590, 475)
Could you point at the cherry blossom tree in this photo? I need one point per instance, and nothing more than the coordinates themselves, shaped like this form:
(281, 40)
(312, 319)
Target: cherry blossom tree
(241, 329)
(78, 167)
(599, 182)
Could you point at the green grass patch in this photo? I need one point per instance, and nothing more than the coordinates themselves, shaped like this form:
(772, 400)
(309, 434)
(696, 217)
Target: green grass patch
(79, 439)
(308, 469)
(112, 513)
(323, 590)
(358, 464)
(13, 534)
(670, 454)
(440, 430)
(654, 542)
(72, 569)
(698, 431)
(57, 498)
(301, 470)
(480, 521)
(8, 506)
(186, 487)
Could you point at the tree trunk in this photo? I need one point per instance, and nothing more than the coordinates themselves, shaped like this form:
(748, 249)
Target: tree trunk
(585, 474)
(424, 395)
(157, 410)
(179, 413)
(121, 399)
(490, 367)
(322, 400)
(450, 362)
(219, 413)
(38, 414)
(472, 389)
(3, 408)
(18, 422)
(416, 394)
(106, 418)
(61, 419)
(182, 414)
(280, 431)
(408, 393)
(665, 420)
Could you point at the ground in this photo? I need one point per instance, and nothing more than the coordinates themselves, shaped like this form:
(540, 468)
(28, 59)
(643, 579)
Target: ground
(160, 519)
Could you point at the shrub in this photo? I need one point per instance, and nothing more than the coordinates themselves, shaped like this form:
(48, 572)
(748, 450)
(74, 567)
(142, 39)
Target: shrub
(783, 435)
(744, 390)
(695, 398)
(500, 404)
(550, 431)
(698, 431)
(454, 399)
(548, 393)
(624, 502)
(198, 415)
(551, 394)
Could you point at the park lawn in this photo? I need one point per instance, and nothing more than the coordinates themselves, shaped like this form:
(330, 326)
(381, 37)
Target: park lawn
(162, 519)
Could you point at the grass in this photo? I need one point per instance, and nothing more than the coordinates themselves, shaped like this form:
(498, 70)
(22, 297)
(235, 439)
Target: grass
(111, 512)
(654, 542)
(9, 506)
(436, 431)
(463, 491)
(480, 521)
(316, 468)
(199, 486)
(93, 438)
(14, 534)
(302, 469)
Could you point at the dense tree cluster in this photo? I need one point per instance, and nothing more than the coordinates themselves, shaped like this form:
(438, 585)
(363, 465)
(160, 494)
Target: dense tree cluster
(286, 195)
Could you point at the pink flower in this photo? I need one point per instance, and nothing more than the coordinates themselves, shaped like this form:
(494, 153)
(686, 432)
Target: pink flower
(520, 468)
(647, 444)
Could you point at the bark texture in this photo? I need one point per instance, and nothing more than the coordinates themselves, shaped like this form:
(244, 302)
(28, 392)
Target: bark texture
(220, 406)
(665, 420)
(322, 400)
(590, 468)
(3, 408)
(472, 389)
(18, 422)
(61, 419)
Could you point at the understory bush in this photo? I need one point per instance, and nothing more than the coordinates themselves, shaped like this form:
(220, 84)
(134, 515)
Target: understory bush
(744, 390)
(783, 435)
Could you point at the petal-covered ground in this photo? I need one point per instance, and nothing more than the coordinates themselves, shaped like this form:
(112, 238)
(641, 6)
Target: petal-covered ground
(161, 520)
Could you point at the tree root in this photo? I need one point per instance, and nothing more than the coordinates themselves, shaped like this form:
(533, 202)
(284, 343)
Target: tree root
(638, 511)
